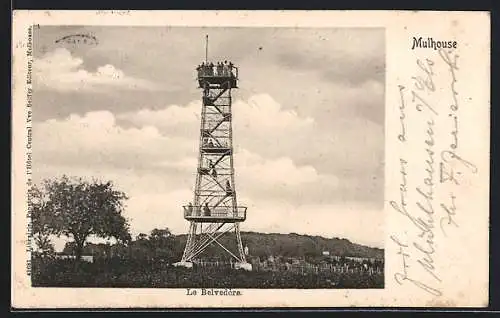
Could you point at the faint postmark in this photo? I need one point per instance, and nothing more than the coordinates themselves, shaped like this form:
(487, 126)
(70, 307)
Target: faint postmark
(76, 39)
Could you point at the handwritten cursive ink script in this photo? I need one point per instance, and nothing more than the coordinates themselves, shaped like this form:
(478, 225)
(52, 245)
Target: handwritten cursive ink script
(403, 275)
(420, 211)
(451, 62)
(402, 116)
(451, 162)
(428, 197)
(450, 210)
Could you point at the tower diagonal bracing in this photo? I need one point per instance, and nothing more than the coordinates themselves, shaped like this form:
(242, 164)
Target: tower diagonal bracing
(215, 214)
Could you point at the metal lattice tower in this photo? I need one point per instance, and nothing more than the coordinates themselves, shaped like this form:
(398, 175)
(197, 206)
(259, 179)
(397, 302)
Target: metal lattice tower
(215, 211)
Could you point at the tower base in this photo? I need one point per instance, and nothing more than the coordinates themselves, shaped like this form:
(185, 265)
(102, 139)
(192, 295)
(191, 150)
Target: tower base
(183, 264)
(246, 266)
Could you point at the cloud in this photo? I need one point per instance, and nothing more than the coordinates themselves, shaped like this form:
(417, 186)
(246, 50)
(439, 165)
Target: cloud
(308, 122)
(59, 70)
(169, 116)
(96, 139)
(148, 211)
(156, 200)
(349, 56)
(185, 164)
(158, 172)
(323, 67)
(360, 224)
(267, 174)
(277, 151)
(172, 120)
(288, 148)
(281, 170)
(260, 114)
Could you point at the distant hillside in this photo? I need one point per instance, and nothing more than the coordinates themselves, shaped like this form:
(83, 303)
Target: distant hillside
(306, 245)
(259, 244)
(296, 245)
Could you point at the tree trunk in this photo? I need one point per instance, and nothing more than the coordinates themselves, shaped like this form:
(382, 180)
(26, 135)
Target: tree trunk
(78, 252)
(79, 242)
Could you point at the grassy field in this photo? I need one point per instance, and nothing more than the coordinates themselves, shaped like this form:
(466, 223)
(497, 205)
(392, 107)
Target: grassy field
(130, 273)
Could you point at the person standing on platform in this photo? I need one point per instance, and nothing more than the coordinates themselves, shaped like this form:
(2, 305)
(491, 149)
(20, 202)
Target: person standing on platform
(190, 209)
(207, 69)
(225, 69)
(206, 210)
(199, 70)
(211, 68)
(219, 69)
(203, 69)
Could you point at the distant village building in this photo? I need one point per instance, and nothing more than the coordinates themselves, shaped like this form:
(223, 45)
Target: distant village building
(333, 257)
(88, 258)
(85, 258)
(360, 259)
(326, 253)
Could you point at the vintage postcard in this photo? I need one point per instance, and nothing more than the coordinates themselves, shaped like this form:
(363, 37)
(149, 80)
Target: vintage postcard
(173, 159)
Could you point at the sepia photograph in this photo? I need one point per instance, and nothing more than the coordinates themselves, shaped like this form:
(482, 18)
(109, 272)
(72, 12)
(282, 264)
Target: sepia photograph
(207, 157)
(250, 159)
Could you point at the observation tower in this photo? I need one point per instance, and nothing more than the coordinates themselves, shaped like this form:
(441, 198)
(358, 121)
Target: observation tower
(214, 212)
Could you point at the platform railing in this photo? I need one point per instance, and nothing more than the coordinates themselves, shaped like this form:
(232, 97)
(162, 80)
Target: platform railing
(197, 212)
(233, 73)
(220, 144)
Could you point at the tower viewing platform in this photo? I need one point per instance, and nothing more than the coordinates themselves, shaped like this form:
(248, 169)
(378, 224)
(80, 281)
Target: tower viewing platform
(208, 214)
(218, 75)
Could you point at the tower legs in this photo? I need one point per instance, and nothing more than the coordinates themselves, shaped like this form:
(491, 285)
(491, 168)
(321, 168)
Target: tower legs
(238, 243)
(243, 264)
(203, 235)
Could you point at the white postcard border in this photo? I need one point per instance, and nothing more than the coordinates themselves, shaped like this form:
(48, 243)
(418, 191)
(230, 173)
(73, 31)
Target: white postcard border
(461, 258)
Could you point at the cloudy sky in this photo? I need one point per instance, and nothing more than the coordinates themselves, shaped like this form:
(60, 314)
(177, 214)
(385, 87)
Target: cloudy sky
(308, 122)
